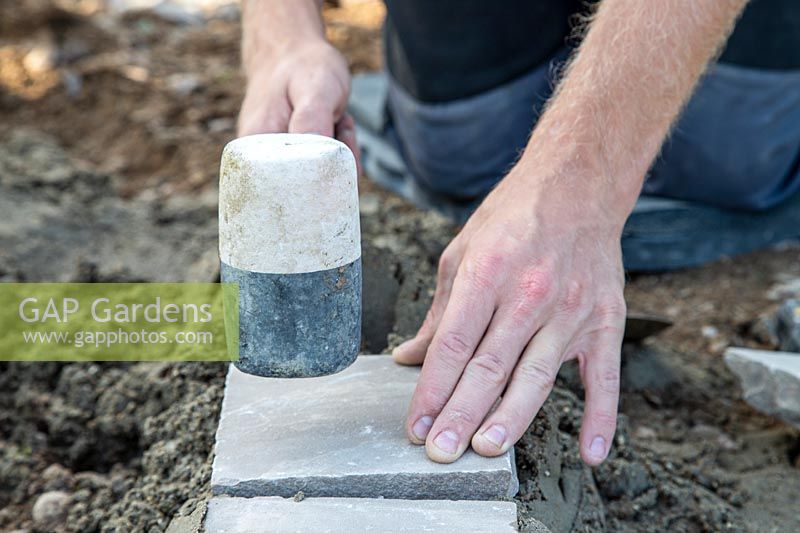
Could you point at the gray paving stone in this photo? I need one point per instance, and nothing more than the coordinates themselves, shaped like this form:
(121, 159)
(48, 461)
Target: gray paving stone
(279, 515)
(770, 380)
(341, 436)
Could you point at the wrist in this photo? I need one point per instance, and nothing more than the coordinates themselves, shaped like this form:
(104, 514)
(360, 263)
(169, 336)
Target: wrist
(574, 186)
(269, 58)
(273, 29)
(569, 167)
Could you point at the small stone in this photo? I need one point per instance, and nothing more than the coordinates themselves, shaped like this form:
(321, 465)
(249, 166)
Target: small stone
(645, 433)
(770, 381)
(247, 515)
(40, 58)
(221, 125)
(56, 477)
(50, 510)
(622, 478)
(340, 436)
(183, 83)
(786, 287)
(191, 523)
(709, 332)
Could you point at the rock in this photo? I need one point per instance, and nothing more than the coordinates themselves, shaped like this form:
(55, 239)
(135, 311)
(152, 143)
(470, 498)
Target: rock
(785, 287)
(788, 326)
(623, 478)
(191, 523)
(645, 433)
(221, 125)
(56, 477)
(770, 381)
(253, 515)
(183, 83)
(40, 58)
(50, 510)
(342, 436)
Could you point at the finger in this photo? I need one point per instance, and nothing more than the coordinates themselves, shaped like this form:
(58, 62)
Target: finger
(270, 117)
(464, 321)
(313, 116)
(481, 384)
(345, 131)
(412, 352)
(600, 370)
(530, 385)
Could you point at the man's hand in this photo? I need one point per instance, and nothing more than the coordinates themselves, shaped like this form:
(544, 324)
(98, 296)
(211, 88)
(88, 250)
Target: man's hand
(297, 82)
(535, 277)
(532, 280)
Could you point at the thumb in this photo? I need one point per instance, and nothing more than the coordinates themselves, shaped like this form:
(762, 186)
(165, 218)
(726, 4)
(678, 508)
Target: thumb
(312, 117)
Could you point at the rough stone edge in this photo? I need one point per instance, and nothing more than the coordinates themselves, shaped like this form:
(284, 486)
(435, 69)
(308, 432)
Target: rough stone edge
(488, 485)
(538, 527)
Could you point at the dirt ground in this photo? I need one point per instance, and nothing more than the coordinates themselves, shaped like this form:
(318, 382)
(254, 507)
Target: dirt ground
(110, 134)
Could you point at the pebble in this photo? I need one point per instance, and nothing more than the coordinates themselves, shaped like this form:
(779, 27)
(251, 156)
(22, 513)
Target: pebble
(56, 477)
(50, 510)
(183, 83)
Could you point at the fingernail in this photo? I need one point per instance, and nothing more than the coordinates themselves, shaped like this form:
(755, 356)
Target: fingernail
(447, 441)
(422, 427)
(496, 435)
(598, 448)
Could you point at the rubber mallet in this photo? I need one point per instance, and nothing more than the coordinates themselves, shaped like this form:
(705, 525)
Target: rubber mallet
(289, 235)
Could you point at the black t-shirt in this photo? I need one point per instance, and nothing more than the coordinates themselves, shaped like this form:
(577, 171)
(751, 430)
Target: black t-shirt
(441, 50)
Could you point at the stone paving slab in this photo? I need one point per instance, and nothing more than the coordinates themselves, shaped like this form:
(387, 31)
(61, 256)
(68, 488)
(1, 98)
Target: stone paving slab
(339, 436)
(770, 380)
(279, 515)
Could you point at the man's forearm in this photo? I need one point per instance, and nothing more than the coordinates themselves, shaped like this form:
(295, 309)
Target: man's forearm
(629, 80)
(270, 26)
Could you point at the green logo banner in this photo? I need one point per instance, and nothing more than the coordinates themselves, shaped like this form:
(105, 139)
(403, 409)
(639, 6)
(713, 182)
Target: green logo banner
(119, 321)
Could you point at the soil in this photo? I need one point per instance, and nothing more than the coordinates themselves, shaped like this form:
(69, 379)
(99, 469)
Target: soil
(111, 130)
